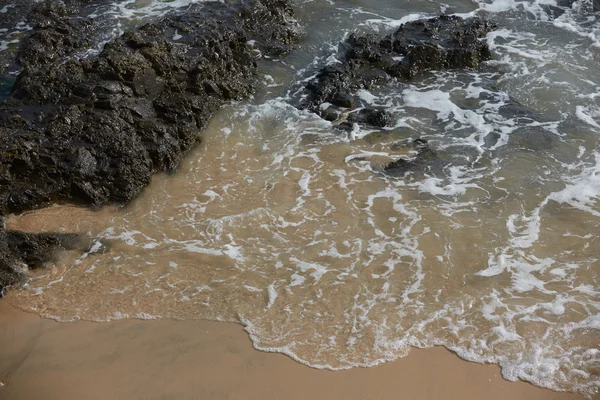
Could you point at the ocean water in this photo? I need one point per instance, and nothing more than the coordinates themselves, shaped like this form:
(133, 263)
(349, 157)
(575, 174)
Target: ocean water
(288, 225)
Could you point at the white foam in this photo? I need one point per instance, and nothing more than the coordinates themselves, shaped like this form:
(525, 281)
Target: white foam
(395, 23)
(588, 115)
(583, 192)
(365, 281)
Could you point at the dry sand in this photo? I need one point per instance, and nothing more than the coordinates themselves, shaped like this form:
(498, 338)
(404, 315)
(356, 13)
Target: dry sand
(165, 359)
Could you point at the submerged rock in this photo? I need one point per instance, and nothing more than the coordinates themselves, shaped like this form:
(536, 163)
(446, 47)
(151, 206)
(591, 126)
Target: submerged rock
(20, 251)
(445, 42)
(93, 131)
(424, 156)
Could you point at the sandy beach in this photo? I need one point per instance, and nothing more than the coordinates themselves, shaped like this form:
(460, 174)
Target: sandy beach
(167, 359)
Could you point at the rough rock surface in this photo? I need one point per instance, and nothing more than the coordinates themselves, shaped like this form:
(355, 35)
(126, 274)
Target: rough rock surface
(93, 131)
(445, 42)
(55, 36)
(57, 30)
(20, 251)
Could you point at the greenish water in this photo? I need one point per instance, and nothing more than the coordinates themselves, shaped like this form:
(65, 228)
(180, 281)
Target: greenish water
(6, 84)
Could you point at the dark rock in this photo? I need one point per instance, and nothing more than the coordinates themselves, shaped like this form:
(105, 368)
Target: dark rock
(330, 114)
(10, 22)
(424, 156)
(380, 118)
(55, 35)
(20, 251)
(93, 131)
(377, 117)
(270, 22)
(342, 99)
(36, 249)
(534, 138)
(59, 30)
(445, 42)
(555, 11)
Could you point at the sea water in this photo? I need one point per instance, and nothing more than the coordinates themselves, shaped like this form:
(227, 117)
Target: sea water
(290, 226)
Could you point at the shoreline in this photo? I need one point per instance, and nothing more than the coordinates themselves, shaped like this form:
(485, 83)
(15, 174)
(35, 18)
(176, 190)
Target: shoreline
(196, 359)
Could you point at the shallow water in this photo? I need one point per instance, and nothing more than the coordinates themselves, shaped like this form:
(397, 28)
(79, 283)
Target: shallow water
(286, 224)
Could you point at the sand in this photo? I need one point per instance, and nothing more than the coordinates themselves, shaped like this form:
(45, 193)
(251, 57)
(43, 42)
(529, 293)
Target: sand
(166, 359)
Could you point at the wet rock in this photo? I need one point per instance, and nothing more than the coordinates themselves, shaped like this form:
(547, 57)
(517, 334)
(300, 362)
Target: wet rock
(445, 42)
(343, 99)
(20, 251)
(58, 31)
(271, 25)
(376, 117)
(558, 9)
(424, 156)
(55, 35)
(534, 138)
(93, 131)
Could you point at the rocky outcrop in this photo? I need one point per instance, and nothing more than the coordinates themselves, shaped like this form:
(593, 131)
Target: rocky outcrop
(93, 131)
(57, 31)
(445, 42)
(56, 34)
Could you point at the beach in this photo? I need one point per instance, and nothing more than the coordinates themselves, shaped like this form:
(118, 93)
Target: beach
(166, 359)
(375, 199)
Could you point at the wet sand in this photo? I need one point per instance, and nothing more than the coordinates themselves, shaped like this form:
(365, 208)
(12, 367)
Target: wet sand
(166, 359)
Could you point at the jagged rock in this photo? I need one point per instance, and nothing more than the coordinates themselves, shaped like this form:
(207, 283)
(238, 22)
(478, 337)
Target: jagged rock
(93, 131)
(58, 31)
(558, 9)
(20, 251)
(55, 35)
(377, 117)
(445, 42)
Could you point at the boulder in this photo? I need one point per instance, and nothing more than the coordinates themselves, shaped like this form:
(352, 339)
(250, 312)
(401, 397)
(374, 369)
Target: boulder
(445, 42)
(94, 130)
(20, 251)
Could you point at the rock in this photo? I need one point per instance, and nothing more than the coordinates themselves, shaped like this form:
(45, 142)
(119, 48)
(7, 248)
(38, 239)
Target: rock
(58, 31)
(377, 117)
(20, 251)
(271, 25)
(424, 156)
(445, 42)
(93, 131)
(343, 99)
(558, 9)
(55, 35)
